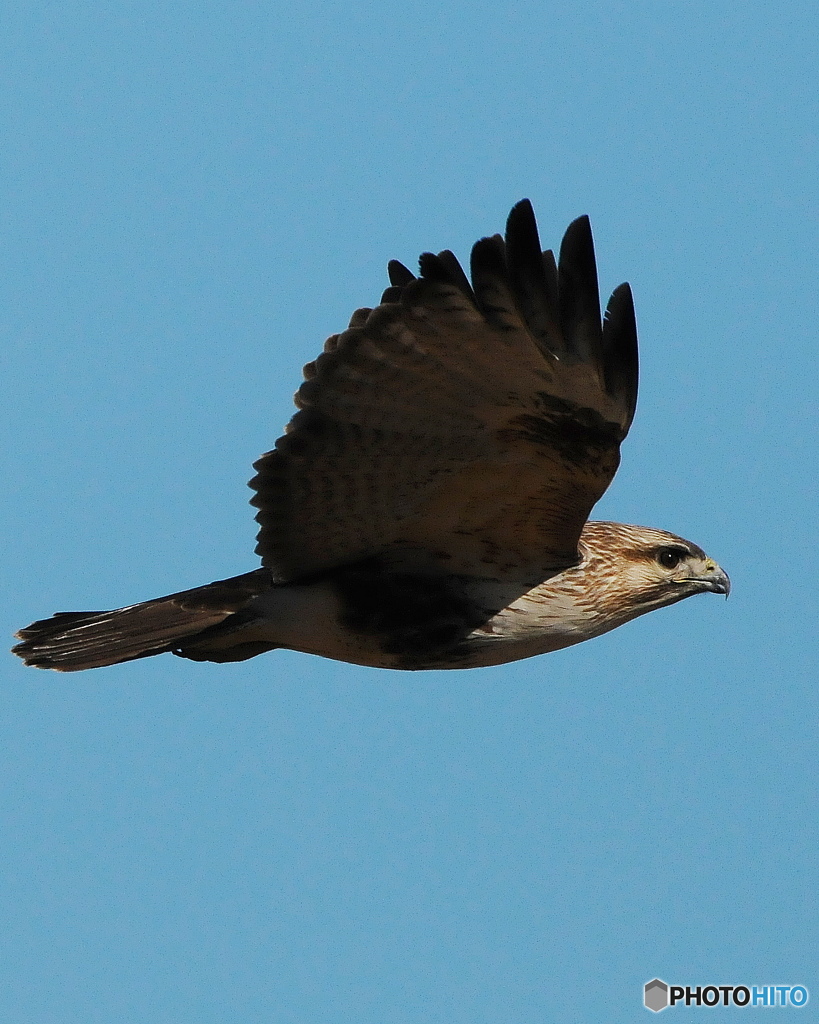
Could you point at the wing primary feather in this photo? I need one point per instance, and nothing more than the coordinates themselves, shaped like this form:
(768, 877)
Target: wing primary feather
(399, 274)
(550, 272)
(621, 366)
(490, 280)
(445, 269)
(528, 277)
(579, 293)
(433, 268)
(456, 274)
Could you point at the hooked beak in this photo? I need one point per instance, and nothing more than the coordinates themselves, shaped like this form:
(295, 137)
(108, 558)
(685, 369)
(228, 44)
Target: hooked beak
(713, 579)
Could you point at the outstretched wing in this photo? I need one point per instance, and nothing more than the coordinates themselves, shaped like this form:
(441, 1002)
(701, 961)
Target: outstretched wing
(467, 427)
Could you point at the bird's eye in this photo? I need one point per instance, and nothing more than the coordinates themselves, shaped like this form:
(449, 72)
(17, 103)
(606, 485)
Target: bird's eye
(670, 558)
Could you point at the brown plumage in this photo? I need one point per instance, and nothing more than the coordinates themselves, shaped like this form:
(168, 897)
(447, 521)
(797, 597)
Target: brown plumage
(428, 505)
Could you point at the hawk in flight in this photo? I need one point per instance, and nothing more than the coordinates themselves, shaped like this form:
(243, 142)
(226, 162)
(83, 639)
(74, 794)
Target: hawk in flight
(427, 507)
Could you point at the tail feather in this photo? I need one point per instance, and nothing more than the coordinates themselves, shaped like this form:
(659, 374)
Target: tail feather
(70, 641)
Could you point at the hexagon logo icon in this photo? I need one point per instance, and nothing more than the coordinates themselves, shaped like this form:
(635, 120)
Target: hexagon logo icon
(655, 995)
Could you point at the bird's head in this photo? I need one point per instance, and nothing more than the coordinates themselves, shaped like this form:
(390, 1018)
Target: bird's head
(641, 568)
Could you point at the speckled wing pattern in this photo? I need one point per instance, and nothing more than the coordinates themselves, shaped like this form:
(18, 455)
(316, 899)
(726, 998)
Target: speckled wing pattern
(466, 428)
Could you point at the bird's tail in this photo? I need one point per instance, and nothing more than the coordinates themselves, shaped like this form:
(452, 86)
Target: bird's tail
(70, 641)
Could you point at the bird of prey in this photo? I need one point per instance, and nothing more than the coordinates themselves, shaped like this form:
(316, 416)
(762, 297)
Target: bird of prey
(427, 507)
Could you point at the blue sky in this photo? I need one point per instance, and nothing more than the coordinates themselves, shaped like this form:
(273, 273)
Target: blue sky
(194, 197)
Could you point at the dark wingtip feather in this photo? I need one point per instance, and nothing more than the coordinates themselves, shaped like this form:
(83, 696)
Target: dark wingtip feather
(536, 292)
(445, 269)
(577, 253)
(490, 279)
(620, 348)
(400, 275)
(456, 273)
(579, 292)
(521, 219)
(550, 270)
(432, 267)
